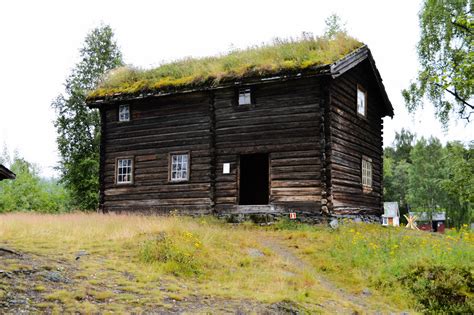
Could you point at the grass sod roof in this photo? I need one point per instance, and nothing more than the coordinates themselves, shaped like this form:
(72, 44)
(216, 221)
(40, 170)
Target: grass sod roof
(281, 56)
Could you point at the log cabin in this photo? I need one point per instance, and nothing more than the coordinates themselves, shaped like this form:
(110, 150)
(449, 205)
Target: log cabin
(5, 173)
(294, 126)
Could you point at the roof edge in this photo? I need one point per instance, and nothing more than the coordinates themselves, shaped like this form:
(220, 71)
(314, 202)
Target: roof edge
(334, 70)
(5, 173)
(352, 60)
(278, 77)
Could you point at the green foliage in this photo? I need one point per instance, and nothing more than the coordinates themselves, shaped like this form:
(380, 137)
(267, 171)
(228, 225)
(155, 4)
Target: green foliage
(78, 127)
(446, 59)
(441, 289)
(425, 176)
(334, 25)
(178, 252)
(384, 259)
(426, 173)
(282, 55)
(28, 192)
(458, 183)
(396, 168)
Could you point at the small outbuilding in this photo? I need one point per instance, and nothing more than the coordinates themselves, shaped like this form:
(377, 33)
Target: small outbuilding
(391, 216)
(5, 173)
(434, 222)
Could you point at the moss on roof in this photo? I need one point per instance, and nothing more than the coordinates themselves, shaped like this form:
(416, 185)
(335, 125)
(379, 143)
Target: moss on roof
(279, 56)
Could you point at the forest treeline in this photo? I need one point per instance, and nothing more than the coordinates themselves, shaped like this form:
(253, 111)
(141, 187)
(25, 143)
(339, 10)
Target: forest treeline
(28, 191)
(424, 175)
(421, 174)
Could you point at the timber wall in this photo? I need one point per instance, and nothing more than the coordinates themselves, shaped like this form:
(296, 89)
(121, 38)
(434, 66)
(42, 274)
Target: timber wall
(290, 121)
(159, 126)
(285, 123)
(350, 137)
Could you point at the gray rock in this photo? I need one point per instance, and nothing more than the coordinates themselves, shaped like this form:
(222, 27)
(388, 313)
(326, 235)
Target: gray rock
(253, 252)
(366, 292)
(81, 253)
(54, 277)
(334, 224)
(7, 274)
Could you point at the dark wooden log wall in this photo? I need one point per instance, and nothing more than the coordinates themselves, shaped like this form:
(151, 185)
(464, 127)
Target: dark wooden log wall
(285, 123)
(309, 127)
(158, 127)
(351, 137)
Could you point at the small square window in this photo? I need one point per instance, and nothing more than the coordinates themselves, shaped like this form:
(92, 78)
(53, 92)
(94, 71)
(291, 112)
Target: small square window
(361, 101)
(124, 113)
(226, 168)
(179, 167)
(245, 97)
(124, 171)
(366, 172)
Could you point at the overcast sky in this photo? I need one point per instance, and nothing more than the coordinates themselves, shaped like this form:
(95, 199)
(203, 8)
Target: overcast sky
(40, 42)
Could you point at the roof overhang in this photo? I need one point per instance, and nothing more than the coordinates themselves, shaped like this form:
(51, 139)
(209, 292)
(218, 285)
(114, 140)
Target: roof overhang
(334, 70)
(353, 59)
(5, 173)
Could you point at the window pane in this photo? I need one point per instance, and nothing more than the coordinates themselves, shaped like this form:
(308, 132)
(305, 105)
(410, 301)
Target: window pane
(361, 102)
(124, 171)
(244, 97)
(179, 166)
(124, 113)
(366, 173)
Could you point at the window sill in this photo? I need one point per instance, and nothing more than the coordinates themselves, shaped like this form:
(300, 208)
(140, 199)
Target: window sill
(124, 184)
(181, 181)
(367, 189)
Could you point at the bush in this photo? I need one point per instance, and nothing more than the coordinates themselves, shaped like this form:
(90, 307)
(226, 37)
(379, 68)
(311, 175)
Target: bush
(441, 289)
(178, 253)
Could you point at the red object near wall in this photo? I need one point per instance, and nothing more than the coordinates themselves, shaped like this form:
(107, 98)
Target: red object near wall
(440, 226)
(425, 227)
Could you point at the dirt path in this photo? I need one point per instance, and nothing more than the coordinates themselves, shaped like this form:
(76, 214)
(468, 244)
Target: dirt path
(353, 303)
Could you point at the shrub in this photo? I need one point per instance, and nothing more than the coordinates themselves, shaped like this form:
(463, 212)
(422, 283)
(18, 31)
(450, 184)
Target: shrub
(441, 289)
(177, 252)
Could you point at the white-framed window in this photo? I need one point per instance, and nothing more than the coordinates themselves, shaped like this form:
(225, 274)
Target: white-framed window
(361, 101)
(245, 96)
(124, 113)
(124, 171)
(179, 167)
(366, 172)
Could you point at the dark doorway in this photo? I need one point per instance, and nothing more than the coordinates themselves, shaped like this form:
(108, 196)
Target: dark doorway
(253, 186)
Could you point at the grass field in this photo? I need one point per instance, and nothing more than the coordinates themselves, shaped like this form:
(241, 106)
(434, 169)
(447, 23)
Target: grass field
(91, 263)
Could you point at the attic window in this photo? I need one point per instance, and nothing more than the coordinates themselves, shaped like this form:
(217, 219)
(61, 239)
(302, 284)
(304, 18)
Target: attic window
(245, 97)
(361, 101)
(366, 172)
(124, 113)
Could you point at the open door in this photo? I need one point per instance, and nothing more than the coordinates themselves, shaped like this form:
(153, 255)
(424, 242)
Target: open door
(254, 179)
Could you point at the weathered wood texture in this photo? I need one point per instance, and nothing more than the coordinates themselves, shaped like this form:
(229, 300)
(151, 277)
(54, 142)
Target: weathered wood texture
(309, 127)
(158, 127)
(284, 122)
(350, 137)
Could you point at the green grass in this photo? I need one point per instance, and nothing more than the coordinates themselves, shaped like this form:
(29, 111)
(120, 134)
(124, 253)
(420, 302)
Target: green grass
(279, 56)
(388, 260)
(137, 263)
